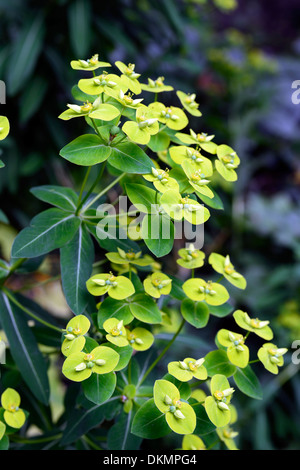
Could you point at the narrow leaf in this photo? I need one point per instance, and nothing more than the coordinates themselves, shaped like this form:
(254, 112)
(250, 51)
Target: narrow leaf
(49, 230)
(24, 349)
(76, 260)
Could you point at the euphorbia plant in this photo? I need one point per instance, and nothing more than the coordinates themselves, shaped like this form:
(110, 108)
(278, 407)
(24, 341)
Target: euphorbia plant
(142, 146)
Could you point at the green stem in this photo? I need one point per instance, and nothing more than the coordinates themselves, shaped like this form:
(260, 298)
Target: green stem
(132, 213)
(93, 185)
(129, 372)
(111, 185)
(82, 189)
(96, 128)
(213, 444)
(163, 352)
(21, 440)
(13, 268)
(91, 443)
(28, 312)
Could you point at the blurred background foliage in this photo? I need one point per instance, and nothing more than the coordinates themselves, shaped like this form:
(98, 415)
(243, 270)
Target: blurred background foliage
(240, 57)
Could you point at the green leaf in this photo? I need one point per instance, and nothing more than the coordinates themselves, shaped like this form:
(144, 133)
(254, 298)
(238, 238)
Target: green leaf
(214, 203)
(144, 308)
(143, 198)
(158, 232)
(64, 198)
(130, 158)
(24, 349)
(125, 353)
(110, 236)
(32, 98)
(86, 150)
(217, 362)
(4, 443)
(79, 26)
(25, 53)
(204, 425)
(159, 142)
(99, 388)
(149, 422)
(83, 420)
(183, 387)
(76, 260)
(113, 308)
(119, 436)
(48, 231)
(220, 311)
(196, 313)
(248, 383)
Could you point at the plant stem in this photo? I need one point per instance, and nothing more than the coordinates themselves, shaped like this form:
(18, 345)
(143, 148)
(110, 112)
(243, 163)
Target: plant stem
(91, 443)
(96, 128)
(111, 185)
(93, 186)
(82, 189)
(37, 440)
(163, 352)
(28, 312)
(13, 268)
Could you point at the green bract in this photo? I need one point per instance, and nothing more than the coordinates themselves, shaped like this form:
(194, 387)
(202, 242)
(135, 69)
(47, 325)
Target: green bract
(117, 287)
(95, 110)
(141, 130)
(162, 180)
(13, 415)
(203, 140)
(237, 351)
(102, 83)
(271, 356)
(255, 325)
(2, 429)
(179, 415)
(181, 154)
(74, 339)
(80, 366)
(187, 369)
(190, 258)
(216, 405)
(227, 436)
(227, 162)
(129, 257)
(224, 266)
(189, 103)
(197, 179)
(179, 207)
(90, 64)
(192, 442)
(129, 76)
(116, 333)
(4, 127)
(212, 292)
(140, 339)
(156, 86)
(158, 284)
(171, 116)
